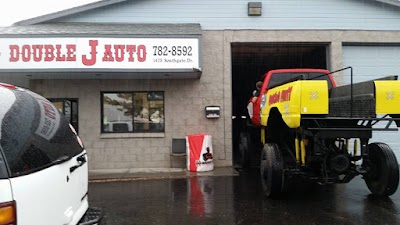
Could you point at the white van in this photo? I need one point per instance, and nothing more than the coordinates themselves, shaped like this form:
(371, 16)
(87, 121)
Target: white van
(43, 164)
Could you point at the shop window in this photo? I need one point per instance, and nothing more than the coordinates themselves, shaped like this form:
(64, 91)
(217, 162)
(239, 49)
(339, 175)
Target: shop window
(69, 107)
(127, 112)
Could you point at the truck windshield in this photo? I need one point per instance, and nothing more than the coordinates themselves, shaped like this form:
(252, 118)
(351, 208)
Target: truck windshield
(281, 78)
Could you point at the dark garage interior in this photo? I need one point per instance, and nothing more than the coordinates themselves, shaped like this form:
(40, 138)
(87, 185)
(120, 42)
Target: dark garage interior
(250, 61)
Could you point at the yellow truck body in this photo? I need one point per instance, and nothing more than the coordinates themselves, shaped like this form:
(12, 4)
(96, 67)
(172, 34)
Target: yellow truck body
(312, 97)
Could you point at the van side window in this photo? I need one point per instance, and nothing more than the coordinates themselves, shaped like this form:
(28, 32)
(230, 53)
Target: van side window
(34, 134)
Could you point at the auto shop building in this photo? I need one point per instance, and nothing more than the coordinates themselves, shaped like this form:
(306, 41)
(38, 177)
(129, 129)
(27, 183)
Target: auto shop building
(136, 77)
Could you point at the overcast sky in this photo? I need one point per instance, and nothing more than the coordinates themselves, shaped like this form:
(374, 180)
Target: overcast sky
(15, 10)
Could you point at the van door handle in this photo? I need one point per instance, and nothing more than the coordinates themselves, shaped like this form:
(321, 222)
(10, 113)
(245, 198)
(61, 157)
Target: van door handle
(81, 160)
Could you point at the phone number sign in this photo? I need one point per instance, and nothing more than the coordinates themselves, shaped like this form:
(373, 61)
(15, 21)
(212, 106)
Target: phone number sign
(99, 53)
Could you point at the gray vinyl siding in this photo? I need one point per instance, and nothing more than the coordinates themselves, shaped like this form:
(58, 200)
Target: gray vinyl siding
(232, 14)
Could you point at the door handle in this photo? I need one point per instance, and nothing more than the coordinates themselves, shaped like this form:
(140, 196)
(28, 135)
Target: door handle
(81, 160)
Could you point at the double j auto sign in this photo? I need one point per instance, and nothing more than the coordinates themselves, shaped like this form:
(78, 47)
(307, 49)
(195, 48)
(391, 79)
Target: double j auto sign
(99, 53)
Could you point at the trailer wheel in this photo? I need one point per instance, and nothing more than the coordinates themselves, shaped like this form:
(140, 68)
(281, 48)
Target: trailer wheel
(383, 177)
(271, 169)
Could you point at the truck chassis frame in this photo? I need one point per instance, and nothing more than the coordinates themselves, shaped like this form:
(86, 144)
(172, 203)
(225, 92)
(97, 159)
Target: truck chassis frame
(322, 155)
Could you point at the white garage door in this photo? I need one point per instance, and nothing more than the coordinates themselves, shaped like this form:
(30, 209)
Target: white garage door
(371, 62)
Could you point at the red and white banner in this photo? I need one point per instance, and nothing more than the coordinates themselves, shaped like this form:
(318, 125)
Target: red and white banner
(99, 53)
(49, 117)
(199, 153)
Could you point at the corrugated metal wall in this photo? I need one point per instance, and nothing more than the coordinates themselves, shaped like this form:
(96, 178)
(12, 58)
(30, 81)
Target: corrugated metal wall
(232, 14)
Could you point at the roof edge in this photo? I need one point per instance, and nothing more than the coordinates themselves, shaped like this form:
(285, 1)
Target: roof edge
(102, 30)
(102, 3)
(67, 12)
(390, 2)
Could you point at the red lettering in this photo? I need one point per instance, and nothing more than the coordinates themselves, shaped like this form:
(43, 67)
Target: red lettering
(37, 52)
(141, 54)
(119, 52)
(14, 53)
(90, 62)
(49, 111)
(60, 57)
(274, 98)
(49, 53)
(62, 53)
(283, 96)
(131, 49)
(286, 94)
(26, 53)
(108, 54)
(71, 57)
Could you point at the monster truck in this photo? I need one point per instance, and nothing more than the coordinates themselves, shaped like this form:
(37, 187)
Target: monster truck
(307, 124)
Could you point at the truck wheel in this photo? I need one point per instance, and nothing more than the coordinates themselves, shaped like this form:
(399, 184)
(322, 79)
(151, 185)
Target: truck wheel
(383, 177)
(271, 169)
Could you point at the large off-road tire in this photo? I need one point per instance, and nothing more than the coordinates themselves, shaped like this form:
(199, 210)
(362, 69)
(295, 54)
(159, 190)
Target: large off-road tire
(272, 170)
(383, 177)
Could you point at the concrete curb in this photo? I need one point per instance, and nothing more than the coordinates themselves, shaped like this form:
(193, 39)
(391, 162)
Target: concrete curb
(104, 176)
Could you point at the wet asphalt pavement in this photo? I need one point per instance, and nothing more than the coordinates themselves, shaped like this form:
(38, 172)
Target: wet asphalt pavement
(238, 200)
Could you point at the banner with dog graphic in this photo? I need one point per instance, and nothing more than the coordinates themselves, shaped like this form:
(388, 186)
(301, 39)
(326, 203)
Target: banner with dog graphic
(199, 153)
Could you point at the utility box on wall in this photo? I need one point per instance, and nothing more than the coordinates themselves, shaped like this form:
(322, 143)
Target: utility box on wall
(254, 8)
(213, 112)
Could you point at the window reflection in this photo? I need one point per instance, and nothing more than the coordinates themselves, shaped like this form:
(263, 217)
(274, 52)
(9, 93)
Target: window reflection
(69, 107)
(126, 112)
